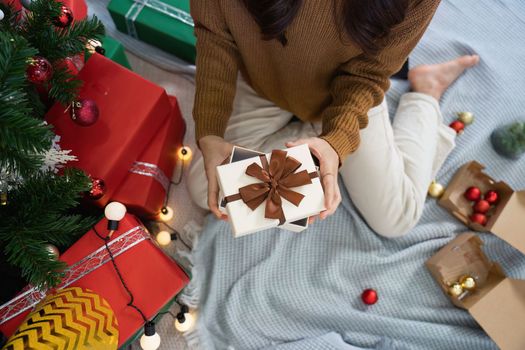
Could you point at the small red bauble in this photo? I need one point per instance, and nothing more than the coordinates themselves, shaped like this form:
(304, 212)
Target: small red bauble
(39, 70)
(491, 197)
(65, 18)
(473, 193)
(98, 189)
(482, 206)
(369, 297)
(84, 112)
(457, 126)
(479, 218)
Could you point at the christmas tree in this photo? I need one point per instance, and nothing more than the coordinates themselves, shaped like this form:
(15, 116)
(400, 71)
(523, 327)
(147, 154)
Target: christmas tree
(37, 203)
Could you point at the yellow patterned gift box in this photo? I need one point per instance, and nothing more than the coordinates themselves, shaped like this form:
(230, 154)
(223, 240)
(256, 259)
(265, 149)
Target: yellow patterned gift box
(70, 319)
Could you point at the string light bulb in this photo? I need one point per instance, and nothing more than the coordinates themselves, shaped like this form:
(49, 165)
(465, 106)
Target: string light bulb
(166, 214)
(164, 238)
(185, 321)
(185, 153)
(150, 340)
(114, 212)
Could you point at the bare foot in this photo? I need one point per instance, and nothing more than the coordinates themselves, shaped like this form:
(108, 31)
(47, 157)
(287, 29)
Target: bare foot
(434, 79)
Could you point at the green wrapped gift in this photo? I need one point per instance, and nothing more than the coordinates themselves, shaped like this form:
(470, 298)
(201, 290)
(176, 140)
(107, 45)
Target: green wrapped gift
(166, 24)
(114, 50)
(110, 48)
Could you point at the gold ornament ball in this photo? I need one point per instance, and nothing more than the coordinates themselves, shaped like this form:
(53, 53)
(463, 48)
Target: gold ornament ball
(466, 118)
(455, 289)
(53, 250)
(468, 283)
(436, 190)
(3, 198)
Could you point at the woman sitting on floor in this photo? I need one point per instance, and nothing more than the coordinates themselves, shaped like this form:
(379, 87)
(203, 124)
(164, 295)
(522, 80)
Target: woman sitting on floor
(329, 64)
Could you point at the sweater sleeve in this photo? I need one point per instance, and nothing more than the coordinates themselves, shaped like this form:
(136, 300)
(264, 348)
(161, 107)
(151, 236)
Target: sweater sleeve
(217, 67)
(361, 82)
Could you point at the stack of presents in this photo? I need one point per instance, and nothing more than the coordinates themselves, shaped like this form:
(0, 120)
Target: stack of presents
(133, 148)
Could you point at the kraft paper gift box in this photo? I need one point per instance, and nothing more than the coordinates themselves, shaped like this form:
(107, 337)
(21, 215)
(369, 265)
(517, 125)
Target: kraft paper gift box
(132, 111)
(241, 153)
(497, 303)
(505, 221)
(236, 183)
(153, 277)
(166, 24)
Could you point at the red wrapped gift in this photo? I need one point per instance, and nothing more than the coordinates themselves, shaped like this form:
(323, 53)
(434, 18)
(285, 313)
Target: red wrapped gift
(132, 110)
(78, 7)
(153, 277)
(145, 188)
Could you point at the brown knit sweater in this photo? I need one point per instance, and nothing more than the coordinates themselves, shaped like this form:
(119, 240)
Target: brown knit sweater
(318, 75)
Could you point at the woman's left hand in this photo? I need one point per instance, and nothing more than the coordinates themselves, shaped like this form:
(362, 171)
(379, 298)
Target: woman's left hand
(329, 168)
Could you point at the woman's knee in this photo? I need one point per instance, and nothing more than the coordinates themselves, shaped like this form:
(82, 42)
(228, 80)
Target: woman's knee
(198, 184)
(398, 223)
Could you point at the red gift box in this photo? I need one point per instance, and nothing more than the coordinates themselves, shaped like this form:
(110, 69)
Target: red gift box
(78, 7)
(132, 110)
(145, 188)
(153, 277)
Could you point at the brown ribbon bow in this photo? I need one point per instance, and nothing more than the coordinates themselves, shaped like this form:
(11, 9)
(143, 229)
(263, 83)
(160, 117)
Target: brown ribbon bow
(277, 180)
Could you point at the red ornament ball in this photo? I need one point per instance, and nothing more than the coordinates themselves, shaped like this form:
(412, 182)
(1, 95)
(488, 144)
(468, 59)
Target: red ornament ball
(65, 18)
(457, 126)
(482, 206)
(369, 296)
(491, 197)
(84, 112)
(98, 189)
(39, 70)
(473, 194)
(479, 218)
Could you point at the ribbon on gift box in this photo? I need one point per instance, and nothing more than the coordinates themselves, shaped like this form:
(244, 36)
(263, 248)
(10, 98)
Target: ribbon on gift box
(278, 178)
(32, 296)
(152, 170)
(156, 5)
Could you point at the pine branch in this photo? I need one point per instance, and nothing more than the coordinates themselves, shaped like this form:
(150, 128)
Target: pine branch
(38, 213)
(37, 265)
(21, 135)
(56, 44)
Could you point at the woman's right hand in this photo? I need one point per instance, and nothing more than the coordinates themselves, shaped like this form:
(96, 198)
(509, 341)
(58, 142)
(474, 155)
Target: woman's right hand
(214, 151)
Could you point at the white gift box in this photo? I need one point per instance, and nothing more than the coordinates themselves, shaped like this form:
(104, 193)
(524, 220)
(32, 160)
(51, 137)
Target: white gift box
(244, 220)
(241, 153)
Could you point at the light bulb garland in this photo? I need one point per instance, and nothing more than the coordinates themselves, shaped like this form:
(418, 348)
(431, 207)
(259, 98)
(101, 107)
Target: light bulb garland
(150, 340)
(166, 214)
(164, 238)
(185, 153)
(114, 212)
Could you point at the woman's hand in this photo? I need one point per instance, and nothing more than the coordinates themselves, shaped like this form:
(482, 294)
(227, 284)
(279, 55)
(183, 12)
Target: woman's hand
(329, 167)
(214, 151)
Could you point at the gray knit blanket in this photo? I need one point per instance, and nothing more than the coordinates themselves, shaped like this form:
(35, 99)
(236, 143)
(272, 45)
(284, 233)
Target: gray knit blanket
(280, 290)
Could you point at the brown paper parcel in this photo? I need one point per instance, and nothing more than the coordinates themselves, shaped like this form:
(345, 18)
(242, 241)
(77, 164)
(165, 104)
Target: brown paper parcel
(507, 221)
(498, 302)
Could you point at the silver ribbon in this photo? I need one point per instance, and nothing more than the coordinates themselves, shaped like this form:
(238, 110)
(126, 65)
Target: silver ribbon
(156, 5)
(152, 170)
(32, 296)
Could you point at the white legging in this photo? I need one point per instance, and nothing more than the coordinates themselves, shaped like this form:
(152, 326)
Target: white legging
(387, 177)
